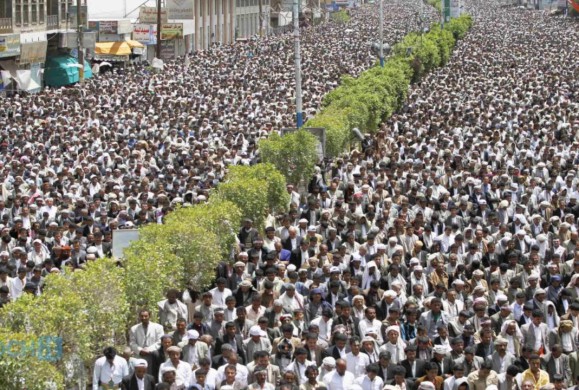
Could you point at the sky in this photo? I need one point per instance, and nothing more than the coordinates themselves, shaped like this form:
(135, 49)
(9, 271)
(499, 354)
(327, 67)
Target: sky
(115, 9)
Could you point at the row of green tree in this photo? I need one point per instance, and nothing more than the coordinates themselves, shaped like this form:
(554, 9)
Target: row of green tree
(377, 93)
(94, 307)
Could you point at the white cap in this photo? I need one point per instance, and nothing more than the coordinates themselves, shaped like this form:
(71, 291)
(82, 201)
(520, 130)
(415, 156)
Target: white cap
(192, 334)
(427, 386)
(255, 330)
(141, 363)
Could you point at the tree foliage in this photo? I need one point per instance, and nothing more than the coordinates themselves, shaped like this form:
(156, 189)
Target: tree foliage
(151, 265)
(19, 370)
(277, 196)
(377, 93)
(217, 216)
(249, 195)
(294, 155)
(341, 16)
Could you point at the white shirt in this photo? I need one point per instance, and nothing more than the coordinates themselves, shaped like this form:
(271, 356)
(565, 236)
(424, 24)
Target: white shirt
(219, 297)
(335, 381)
(253, 315)
(140, 383)
(301, 369)
(396, 351)
(9, 283)
(210, 379)
(18, 287)
(324, 327)
(183, 373)
(241, 376)
(366, 324)
(538, 337)
(567, 341)
(357, 364)
(511, 344)
(557, 365)
(105, 373)
(449, 383)
(367, 384)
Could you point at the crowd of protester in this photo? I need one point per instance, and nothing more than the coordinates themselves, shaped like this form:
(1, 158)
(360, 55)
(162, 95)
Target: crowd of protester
(442, 255)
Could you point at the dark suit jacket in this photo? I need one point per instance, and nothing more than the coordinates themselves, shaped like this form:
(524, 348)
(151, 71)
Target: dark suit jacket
(522, 363)
(158, 359)
(355, 324)
(217, 361)
(333, 352)
(130, 382)
(548, 364)
(389, 372)
(482, 350)
(238, 341)
(287, 243)
(296, 258)
(419, 368)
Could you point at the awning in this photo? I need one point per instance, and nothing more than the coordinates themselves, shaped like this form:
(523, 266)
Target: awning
(110, 58)
(63, 70)
(113, 48)
(135, 44)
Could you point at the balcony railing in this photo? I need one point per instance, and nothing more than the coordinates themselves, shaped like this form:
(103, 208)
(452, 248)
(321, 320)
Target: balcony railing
(5, 25)
(52, 21)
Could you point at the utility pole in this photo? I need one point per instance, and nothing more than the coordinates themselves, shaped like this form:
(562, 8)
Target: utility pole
(382, 33)
(79, 38)
(261, 18)
(159, 29)
(298, 65)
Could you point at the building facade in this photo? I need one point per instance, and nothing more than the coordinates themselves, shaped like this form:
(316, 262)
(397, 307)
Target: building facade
(31, 30)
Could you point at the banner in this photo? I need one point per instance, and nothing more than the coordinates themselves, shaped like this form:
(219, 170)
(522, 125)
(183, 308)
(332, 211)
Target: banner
(9, 45)
(171, 31)
(108, 27)
(167, 50)
(33, 52)
(145, 33)
(33, 48)
(122, 238)
(180, 9)
(148, 15)
(93, 25)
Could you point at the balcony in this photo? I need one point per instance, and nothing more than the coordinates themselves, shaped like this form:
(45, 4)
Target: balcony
(51, 22)
(5, 25)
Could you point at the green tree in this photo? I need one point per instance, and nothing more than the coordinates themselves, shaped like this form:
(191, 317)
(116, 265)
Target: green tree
(22, 365)
(249, 195)
(277, 196)
(218, 216)
(101, 287)
(377, 93)
(294, 155)
(151, 265)
(341, 17)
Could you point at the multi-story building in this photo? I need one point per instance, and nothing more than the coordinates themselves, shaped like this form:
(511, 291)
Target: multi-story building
(248, 16)
(32, 29)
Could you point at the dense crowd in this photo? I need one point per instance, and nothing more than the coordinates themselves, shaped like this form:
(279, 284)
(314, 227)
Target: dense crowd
(442, 255)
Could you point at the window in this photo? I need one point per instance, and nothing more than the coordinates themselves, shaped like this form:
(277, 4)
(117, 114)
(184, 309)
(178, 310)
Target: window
(41, 11)
(18, 8)
(34, 11)
(25, 15)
